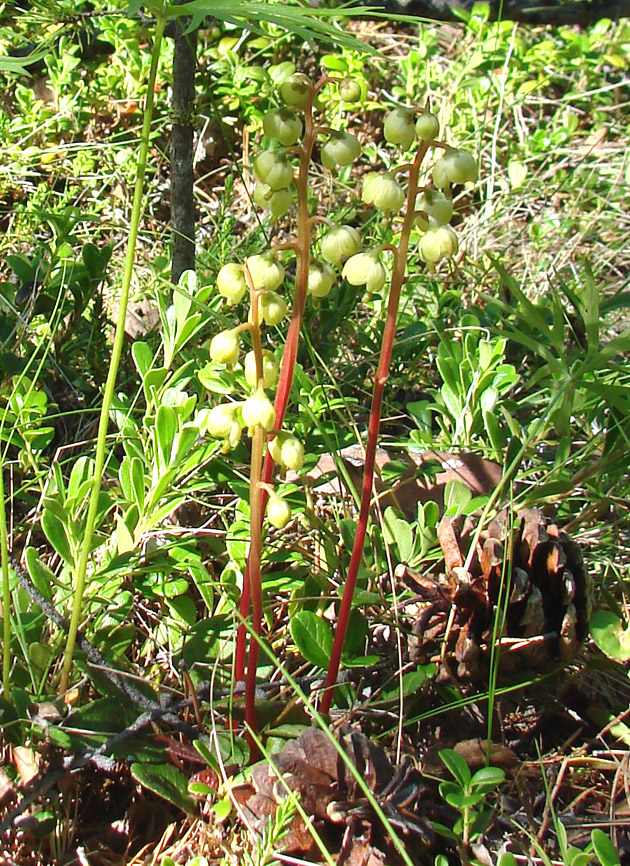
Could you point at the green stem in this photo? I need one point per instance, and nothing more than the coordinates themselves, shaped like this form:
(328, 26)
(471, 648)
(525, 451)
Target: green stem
(382, 374)
(110, 384)
(6, 592)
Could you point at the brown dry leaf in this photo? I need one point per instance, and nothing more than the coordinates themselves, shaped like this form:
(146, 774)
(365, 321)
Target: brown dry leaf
(449, 542)
(27, 763)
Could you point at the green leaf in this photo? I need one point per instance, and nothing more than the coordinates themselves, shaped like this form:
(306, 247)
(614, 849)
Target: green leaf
(164, 435)
(142, 357)
(56, 532)
(517, 172)
(457, 495)
(457, 766)
(604, 848)
(312, 636)
(487, 778)
(42, 576)
(167, 782)
(610, 635)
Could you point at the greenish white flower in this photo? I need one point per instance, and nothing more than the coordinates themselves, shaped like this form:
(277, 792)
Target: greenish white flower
(339, 243)
(278, 511)
(278, 201)
(340, 149)
(436, 206)
(231, 283)
(365, 269)
(349, 90)
(282, 124)
(398, 127)
(271, 167)
(296, 89)
(270, 369)
(437, 244)
(265, 271)
(384, 192)
(258, 410)
(272, 308)
(321, 277)
(427, 126)
(224, 347)
(222, 423)
(287, 451)
(456, 166)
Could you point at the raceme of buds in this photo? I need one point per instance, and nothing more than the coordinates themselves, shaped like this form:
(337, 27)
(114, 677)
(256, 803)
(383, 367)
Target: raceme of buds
(340, 149)
(398, 127)
(224, 348)
(272, 308)
(278, 201)
(427, 126)
(383, 191)
(287, 451)
(221, 423)
(270, 368)
(271, 167)
(231, 283)
(365, 269)
(296, 89)
(265, 272)
(278, 511)
(320, 279)
(339, 243)
(437, 244)
(349, 90)
(437, 207)
(456, 166)
(258, 410)
(284, 125)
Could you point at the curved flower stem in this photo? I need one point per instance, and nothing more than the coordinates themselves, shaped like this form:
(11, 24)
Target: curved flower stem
(382, 374)
(302, 248)
(110, 384)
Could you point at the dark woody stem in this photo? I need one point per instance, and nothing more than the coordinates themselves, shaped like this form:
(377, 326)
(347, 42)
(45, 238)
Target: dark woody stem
(382, 374)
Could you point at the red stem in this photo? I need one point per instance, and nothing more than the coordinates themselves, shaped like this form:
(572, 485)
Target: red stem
(382, 375)
(283, 394)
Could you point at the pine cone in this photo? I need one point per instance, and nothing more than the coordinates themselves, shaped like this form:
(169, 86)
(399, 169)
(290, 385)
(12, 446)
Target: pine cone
(329, 792)
(545, 598)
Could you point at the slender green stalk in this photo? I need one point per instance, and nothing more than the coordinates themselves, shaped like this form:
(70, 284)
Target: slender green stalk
(136, 213)
(6, 591)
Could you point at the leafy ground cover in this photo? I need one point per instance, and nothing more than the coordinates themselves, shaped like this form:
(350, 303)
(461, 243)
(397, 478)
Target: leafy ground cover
(480, 710)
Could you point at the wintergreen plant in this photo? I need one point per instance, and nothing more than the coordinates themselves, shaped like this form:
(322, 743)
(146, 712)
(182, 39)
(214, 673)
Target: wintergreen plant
(324, 251)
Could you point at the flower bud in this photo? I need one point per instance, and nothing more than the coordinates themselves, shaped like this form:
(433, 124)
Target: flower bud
(271, 167)
(320, 279)
(365, 269)
(278, 511)
(258, 410)
(340, 149)
(231, 283)
(437, 206)
(339, 243)
(456, 166)
(270, 369)
(384, 192)
(224, 348)
(272, 308)
(296, 89)
(265, 272)
(349, 90)
(287, 451)
(437, 244)
(278, 202)
(398, 127)
(282, 124)
(427, 126)
(221, 421)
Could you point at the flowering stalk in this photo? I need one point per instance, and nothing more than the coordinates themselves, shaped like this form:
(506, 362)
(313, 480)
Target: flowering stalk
(302, 249)
(382, 374)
